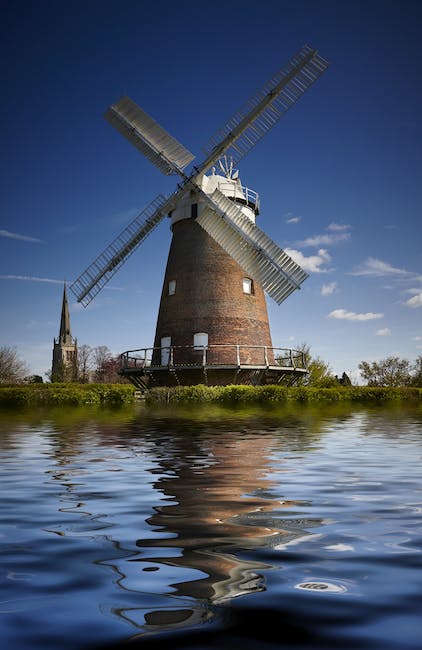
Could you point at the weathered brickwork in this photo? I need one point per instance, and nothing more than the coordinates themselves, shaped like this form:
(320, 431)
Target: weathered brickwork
(209, 296)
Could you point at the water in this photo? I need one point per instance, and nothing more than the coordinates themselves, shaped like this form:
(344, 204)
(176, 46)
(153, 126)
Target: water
(211, 529)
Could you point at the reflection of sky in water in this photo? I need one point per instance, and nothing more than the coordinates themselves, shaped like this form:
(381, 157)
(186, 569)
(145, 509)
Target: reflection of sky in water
(156, 522)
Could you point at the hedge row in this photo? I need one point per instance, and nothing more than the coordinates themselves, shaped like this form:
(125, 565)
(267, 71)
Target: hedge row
(113, 394)
(279, 394)
(66, 394)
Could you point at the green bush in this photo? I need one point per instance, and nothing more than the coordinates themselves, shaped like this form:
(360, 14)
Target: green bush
(273, 393)
(181, 394)
(116, 394)
(240, 394)
(66, 394)
(237, 393)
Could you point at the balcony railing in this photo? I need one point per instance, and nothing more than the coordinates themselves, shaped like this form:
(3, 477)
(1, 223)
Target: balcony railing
(223, 355)
(240, 193)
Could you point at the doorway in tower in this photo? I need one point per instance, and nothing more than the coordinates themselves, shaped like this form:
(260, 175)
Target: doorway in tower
(165, 350)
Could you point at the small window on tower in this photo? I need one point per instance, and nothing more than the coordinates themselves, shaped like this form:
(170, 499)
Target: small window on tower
(200, 340)
(247, 285)
(172, 287)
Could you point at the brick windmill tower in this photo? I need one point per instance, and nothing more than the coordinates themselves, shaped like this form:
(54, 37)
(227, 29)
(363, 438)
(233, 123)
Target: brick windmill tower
(212, 325)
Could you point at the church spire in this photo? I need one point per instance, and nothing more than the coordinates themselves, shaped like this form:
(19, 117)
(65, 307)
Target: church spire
(65, 336)
(65, 351)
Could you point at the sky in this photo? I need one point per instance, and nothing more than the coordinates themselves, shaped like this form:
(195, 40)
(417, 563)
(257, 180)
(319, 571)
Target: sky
(339, 176)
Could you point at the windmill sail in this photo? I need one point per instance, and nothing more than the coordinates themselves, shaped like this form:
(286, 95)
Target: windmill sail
(264, 109)
(256, 253)
(148, 136)
(93, 279)
(220, 217)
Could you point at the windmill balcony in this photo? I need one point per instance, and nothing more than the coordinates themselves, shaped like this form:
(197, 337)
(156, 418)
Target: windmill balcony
(212, 365)
(240, 194)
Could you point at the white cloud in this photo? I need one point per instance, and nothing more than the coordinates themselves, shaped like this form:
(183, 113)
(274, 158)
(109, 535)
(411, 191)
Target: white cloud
(328, 289)
(325, 240)
(383, 332)
(338, 226)
(378, 268)
(414, 302)
(343, 314)
(14, 235)
(289, 217)
(416, 338)
(312, 263)
(30, 278)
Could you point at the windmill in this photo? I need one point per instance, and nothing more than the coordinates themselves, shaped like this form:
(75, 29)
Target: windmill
(212, 325)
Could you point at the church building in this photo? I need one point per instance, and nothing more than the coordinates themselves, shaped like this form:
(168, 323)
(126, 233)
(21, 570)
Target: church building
(65, 350)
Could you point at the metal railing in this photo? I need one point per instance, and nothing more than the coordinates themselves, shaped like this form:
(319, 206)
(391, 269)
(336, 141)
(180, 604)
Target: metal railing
(240, 193)
(198, 356)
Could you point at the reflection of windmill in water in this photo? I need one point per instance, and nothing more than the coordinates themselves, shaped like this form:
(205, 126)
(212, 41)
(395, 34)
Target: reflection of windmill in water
(212, 324)
(219, 507)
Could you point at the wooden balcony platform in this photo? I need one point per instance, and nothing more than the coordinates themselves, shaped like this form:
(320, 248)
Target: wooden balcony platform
(215, 365)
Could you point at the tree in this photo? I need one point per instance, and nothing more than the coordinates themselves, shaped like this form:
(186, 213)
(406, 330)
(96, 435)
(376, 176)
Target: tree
(12, 369)
(417, 372)
(391, 371)
(344, 380)
(111, 370)
(101, 357)
(85, 362)
(106, 366)
(320, 373)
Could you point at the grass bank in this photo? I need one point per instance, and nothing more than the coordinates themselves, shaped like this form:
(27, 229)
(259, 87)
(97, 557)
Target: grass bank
(278, 394)
(57, 394)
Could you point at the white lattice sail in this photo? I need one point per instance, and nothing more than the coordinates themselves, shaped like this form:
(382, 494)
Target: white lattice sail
(148, 136)
(241, 133)
(102, 269)
(256, 253)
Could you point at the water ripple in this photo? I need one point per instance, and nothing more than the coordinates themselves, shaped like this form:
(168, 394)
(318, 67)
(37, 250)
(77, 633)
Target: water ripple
(211, 530)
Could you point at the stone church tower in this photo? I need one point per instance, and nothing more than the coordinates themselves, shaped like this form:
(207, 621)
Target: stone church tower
(65, 350)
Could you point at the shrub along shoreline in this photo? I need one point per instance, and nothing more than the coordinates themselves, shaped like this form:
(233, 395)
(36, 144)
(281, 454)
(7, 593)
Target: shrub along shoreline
(278, 394)
(66, 394)
(56, 394)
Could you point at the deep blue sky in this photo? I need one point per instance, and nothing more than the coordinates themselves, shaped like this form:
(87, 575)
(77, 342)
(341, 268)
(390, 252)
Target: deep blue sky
(339, 176)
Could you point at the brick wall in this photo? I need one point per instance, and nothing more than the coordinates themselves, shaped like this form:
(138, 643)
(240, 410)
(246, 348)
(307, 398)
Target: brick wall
(209, 295)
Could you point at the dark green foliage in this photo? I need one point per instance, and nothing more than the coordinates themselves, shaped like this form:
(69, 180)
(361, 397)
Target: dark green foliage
(66, 394)
(181, 394)
(278, 394)
(115, 394)
(273, 393)
(237, 393)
